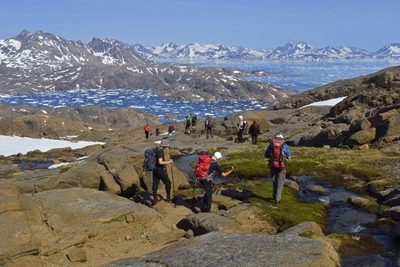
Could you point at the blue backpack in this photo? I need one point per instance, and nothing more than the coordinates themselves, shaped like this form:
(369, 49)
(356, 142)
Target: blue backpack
(150, 161)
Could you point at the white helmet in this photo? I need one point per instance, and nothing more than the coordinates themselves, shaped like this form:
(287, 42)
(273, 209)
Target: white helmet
(240, 117)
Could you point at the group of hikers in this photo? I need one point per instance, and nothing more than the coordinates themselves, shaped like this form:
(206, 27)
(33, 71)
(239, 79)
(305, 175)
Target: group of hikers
(190, 124)
(208, 168)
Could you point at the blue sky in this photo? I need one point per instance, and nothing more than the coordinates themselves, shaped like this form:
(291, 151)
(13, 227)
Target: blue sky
(367, 24)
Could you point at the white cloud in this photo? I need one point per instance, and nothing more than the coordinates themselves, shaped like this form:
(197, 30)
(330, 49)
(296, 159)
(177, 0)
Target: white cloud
(11, 145)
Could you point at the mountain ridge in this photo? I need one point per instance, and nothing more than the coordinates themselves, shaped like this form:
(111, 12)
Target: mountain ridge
(44, 62)
(290, 51)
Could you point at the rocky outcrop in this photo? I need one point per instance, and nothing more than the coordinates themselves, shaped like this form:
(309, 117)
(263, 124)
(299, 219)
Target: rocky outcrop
(368, 116)
(240, 249)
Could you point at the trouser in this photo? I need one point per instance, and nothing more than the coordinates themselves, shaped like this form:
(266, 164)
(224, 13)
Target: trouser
(240, 135)
(278, 181)
(209, 132)
(254, 139)
(207, 199)
(161, 174)
(147, 134)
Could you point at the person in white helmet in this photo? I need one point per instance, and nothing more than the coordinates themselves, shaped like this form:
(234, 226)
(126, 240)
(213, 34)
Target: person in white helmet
(240, 129)
(208, 184)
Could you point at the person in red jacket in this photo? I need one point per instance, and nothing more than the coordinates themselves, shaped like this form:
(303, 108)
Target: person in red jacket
(147, 130)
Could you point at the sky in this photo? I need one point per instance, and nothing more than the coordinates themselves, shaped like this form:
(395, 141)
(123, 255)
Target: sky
(366, 24)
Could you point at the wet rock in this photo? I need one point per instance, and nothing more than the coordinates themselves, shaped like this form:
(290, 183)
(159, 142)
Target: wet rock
(203, 223)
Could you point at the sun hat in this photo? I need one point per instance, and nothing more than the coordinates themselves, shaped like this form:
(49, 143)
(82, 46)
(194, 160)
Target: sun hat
(240, 117)
(217, 155)
(164, 143)
(279, 136)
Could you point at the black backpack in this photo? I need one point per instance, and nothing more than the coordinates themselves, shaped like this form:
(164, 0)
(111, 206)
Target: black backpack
(150, 161)
(256, 128)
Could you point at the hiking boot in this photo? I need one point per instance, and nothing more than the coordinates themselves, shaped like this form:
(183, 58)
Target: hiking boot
(168, 200)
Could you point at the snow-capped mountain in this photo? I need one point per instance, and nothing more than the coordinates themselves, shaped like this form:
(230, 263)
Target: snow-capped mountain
(44, 62)
(290, 51)
(45, 50)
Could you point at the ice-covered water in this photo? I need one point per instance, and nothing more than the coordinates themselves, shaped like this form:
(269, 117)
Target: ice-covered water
(297, 76)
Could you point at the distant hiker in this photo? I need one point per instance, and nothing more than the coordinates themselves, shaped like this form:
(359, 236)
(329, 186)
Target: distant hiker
(208, 125)
(240, 129)
(277, 152)
(160, 172)
(254, 131)
(211, 169)
(171, 128)
(187, 124)
(147, 130)
(158, 132)
(194, 121)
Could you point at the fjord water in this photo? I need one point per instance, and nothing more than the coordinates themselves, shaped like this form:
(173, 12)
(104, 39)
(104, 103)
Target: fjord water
(297, 76)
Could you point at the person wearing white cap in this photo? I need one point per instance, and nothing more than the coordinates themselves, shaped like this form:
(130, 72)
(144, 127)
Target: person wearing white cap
(208, 184)
(277, 152)
(160, 173)
(240, 129)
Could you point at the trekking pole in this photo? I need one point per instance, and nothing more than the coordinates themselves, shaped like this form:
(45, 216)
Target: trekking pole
(237, 176)
(173, 185)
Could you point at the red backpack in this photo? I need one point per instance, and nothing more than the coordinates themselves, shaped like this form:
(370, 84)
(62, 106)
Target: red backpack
(277, 159)
(203, 166)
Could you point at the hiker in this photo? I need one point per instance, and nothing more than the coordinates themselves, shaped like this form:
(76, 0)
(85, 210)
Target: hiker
(147, 130)
(254, 131)
(208, 125)
(187, 124)
(194, 121)
(240, 129)
(170, 128)
(160, 172)
(207, 183)
(277, 152)
(158, 131)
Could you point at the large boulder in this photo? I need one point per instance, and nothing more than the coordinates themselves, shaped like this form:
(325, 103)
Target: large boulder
(239, 249)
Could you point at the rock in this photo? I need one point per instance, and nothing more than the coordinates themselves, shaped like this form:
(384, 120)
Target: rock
(303, 227)
(16, 238)
(359, 201)
(203, 223)
(393, 213)
(362, 137)
(240, 249)
(128, 180)
(77, 255)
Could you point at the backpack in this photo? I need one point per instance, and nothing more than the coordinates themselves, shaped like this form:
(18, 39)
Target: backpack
(244, 124)
(277, 159)
(194, 119)
(256, 128)
(203, 166)
(150, 161)
(171, 127)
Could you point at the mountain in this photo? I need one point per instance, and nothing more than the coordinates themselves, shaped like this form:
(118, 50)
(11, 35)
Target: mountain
(44, 62)
(290, 51)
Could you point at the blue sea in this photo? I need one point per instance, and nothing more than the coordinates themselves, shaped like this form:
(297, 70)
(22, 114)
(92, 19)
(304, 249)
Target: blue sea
(297, 76)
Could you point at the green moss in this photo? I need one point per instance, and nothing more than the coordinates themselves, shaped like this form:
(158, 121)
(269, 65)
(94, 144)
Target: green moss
(289, 212)
(120, 218)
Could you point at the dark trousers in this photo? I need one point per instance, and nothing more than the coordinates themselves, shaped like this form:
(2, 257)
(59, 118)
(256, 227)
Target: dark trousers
(209, 132)
(147, 134)
(254, 139)
(161, 174)
(240, 136)
(207, 199)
